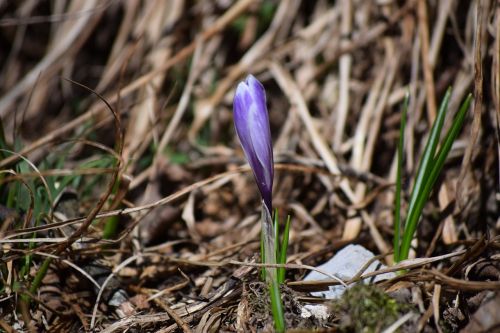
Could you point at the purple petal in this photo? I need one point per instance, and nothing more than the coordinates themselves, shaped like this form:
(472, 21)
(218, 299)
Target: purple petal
(260, 137)
(242, 102)
(252, 127)
(257, 91)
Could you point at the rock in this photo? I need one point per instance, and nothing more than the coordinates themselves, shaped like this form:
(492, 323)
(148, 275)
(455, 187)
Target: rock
(318, 311)
(344, 265)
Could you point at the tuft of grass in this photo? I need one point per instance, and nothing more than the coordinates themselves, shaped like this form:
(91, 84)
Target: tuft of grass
(280, 247)
(430, 166)
(272, 275)
(282, 251)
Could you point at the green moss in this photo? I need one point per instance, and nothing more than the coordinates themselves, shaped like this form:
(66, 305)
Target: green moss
(366, 308)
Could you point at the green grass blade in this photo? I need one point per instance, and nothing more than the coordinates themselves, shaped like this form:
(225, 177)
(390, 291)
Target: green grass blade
(283, 250)
(269, 251)
(397, 197)
(276, 223)
(3, 142)
(450, 137)
(262, 255)
(110, 227)
(277, 249)
(437, 166)
(429, 151)
(277, 307)
(37, 281)
(425, 166)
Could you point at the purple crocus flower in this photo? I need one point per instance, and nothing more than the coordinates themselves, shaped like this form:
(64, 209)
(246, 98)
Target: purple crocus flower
(252, 126)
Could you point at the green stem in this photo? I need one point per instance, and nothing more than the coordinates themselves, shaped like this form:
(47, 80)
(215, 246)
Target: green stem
(277, 307)
(397, 197)
(269, 247)
(282, 254)
(37, 281)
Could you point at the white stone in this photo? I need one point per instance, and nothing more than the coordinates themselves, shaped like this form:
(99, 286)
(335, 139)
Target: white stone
(316, 310)
(344, 265)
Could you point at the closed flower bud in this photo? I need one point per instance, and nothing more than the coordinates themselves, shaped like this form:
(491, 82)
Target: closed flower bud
(251, 121)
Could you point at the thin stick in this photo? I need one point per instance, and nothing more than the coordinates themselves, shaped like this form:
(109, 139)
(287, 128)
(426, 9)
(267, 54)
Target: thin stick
(345, 70)
(181, 323)
(427, 67)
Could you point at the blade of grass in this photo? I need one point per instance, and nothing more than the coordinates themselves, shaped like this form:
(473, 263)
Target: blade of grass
(431, 145)
(3, 142)
(271, 272)
(37, 281)
(262, 255)
(110, 227)
(430, 149)
(282, 255)
(437, 166)
(425, 166)
(276, 223)
(277, 306)
(112, 223)
(397, 197)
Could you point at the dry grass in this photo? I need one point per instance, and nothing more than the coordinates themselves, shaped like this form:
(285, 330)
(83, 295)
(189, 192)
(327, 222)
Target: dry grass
(122, 165)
